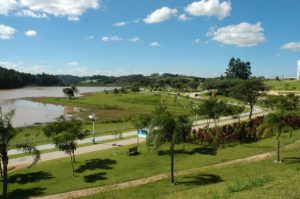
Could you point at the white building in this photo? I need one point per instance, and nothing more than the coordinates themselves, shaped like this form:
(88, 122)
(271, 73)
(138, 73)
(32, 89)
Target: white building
(298, 71)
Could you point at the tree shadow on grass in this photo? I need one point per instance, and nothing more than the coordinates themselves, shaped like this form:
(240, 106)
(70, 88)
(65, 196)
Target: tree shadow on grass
(290, 160)
(30, 177)
(95, 177)
(203, 179)
(205, 150)
(26, 193)
(94, 164)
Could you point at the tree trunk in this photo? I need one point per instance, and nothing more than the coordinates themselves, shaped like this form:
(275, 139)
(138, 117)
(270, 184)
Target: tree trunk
(251, 110)
(4, 183)
(72, 164)
(278, 150)
(73, 156)
(172, 163)
(1, 171)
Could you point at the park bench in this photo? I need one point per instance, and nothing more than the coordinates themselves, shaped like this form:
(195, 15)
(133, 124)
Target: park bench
(132, 150)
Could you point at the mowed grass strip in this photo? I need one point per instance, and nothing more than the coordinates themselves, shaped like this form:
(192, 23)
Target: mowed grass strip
(263, 179)
(288, 85)
(115, 166)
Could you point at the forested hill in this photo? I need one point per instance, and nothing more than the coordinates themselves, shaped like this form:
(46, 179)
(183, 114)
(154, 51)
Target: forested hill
(10, 78)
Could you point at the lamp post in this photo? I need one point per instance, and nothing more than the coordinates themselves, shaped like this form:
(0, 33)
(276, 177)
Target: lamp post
(196, 109)
(92, 118)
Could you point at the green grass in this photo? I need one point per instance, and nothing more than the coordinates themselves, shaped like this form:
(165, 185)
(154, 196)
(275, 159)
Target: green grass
(291, 85)
(263, 179)
(103, 168)
(119, 107)
(35, 134)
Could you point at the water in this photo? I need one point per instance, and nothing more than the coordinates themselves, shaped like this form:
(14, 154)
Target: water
(28, 112)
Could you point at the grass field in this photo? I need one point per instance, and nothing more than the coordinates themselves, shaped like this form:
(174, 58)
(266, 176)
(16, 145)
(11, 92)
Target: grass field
(287, 85)
(35, 134)
(103, 168)
(119, 107)
(263, 179)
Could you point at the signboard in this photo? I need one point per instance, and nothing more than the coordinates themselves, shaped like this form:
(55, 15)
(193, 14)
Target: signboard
(142, 133)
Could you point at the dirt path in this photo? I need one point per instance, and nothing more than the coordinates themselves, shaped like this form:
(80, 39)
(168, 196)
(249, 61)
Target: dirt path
(143, 181)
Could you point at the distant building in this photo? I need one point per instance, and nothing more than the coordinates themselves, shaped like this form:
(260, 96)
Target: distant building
(298, 71)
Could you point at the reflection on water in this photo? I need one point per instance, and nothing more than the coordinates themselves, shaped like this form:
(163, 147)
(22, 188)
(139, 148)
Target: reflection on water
(28, 112)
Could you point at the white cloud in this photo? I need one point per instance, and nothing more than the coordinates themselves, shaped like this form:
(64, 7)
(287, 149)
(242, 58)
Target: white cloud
(73, 63)
(135, 40)
(241, 35)
(197, 41)
(31, 33)
(154, 44)
(183, 17)
(120, 24)
(160, 15)
(90, 37)
(6, 32)
(6, 6)
(36, 69)
(8, 65)
(29, 13)
(111, 38)
(72, 9)
(209, 8)
(292, 46)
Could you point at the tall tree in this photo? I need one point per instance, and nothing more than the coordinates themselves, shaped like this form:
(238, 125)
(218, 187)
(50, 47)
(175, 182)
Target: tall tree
(64, 134)
(7, 133)
(165, 128)
(249, 91)
(238, 69)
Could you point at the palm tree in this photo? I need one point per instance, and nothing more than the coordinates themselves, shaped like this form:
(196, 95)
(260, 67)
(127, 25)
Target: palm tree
(7, 133)
(165, 128)
(274, 124)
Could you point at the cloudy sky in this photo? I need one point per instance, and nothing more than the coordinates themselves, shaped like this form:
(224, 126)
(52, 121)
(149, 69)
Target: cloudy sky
(120, 37)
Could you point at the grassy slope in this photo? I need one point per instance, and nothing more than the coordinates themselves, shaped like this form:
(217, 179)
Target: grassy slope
(112, 109)
(264, 179)
(102, 168)
(122, 106)
(283, 85)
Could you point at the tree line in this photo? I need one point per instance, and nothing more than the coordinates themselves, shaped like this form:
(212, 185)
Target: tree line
(10, 78)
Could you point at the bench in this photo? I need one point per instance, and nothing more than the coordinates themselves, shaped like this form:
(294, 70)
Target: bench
(132, 151)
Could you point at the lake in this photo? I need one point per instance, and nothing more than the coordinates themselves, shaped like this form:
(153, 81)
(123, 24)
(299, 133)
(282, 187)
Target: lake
(28, 112)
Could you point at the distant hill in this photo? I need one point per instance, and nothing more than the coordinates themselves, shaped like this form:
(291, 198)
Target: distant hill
(10, 78)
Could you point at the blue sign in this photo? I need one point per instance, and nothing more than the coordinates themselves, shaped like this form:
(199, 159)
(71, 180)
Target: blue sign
(142, 133)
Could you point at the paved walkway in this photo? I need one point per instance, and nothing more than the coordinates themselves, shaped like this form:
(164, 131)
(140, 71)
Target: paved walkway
(84, 141)
(143, 181)
(25, 161)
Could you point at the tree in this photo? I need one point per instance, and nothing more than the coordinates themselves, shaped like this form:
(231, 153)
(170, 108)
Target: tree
(274, 124)
(212, 109)
(165, 128)
(238, 69)
(282, 103)
(7, 133)
(248, 91)
(64, 134)
(71, 92)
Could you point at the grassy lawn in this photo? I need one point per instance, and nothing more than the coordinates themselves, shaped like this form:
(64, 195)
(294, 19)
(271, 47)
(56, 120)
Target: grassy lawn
(116, 107)
(291, 85)
(103, 168)
(263, 179)
(35, 134)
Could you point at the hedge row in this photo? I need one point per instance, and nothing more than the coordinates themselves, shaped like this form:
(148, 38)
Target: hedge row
(236, 132)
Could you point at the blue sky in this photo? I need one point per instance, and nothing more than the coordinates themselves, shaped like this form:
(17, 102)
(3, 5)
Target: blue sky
(120, 37)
